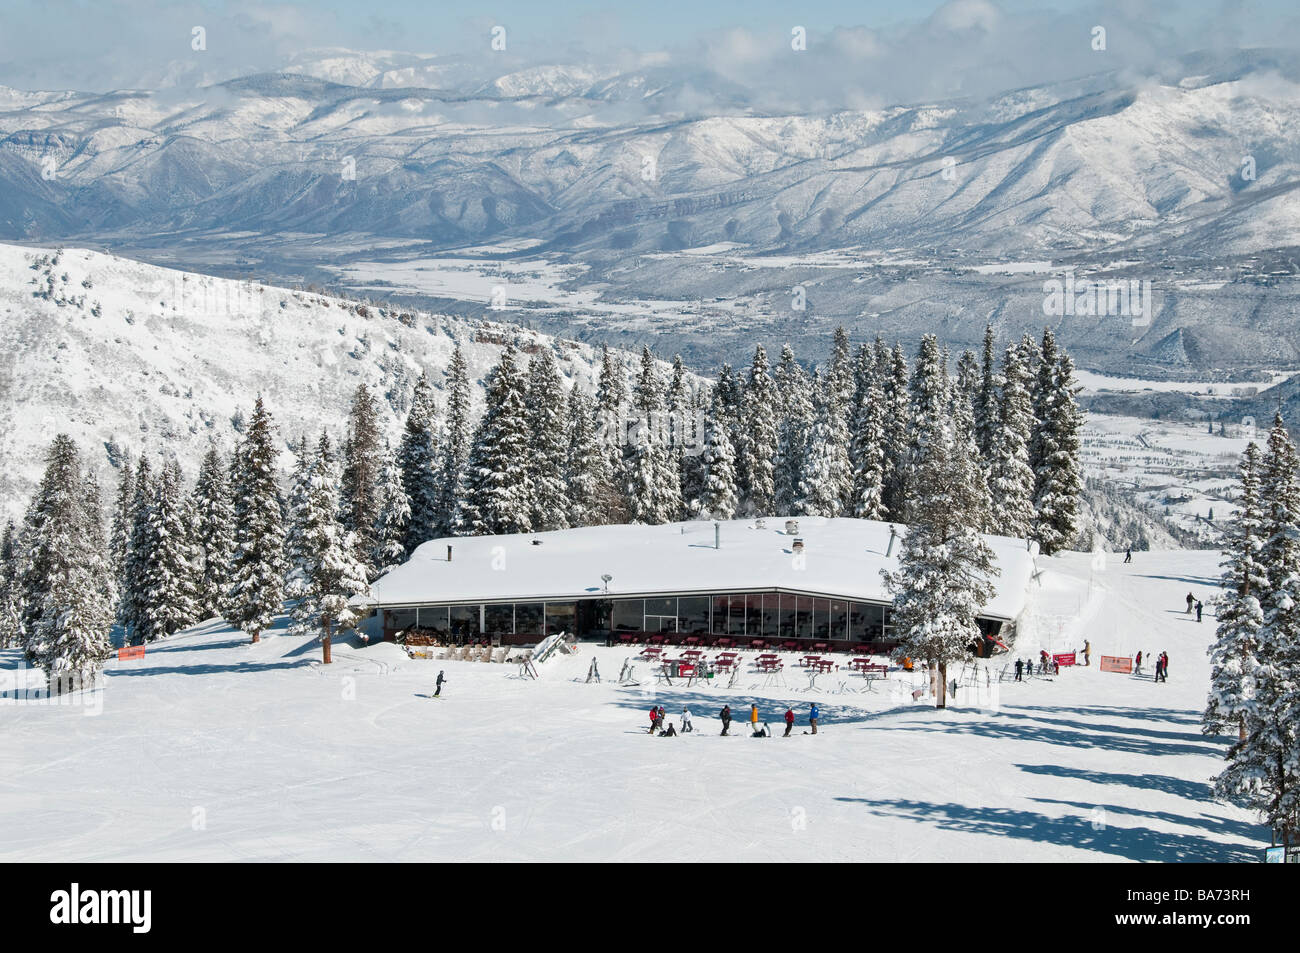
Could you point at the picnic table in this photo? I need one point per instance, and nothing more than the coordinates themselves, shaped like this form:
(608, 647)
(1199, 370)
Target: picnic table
(807, 660)
(864, 666)
(757, 644)
(692, 653)
(821, 647)
(651, 651)
(790, 646)
(725, 643)
(823, 665)
(694, 640)
(771, 664)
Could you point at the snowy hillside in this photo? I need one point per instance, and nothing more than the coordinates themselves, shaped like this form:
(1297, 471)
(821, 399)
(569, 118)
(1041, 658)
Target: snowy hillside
(211, 749)
(129, 357)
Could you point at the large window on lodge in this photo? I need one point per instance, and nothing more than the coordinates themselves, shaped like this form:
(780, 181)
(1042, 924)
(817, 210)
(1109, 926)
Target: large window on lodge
(628, 615)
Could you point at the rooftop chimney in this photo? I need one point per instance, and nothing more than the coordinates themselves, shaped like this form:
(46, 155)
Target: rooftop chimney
(798, 546)
(791, 527)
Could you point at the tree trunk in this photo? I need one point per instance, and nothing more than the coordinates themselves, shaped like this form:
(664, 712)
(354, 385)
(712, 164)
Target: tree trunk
(1241, 729)
(943, 685)
(325, 643)
(257, 635)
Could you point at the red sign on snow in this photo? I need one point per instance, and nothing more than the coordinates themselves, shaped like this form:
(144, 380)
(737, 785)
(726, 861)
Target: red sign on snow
(130, 652)
(1064, 658)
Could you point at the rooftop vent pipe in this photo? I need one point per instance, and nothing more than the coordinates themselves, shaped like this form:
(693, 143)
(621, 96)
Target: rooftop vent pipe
(798, 545)
(448, 554)
(791, 527)
(717, 535)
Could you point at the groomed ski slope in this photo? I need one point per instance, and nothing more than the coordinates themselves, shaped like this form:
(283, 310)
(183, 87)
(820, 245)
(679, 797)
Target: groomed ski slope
(210, 749)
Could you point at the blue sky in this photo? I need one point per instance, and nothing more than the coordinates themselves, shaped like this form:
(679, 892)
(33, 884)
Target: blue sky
(905, 49)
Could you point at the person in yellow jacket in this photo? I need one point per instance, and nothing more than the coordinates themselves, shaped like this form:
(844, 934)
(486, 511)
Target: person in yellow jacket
(753, 718)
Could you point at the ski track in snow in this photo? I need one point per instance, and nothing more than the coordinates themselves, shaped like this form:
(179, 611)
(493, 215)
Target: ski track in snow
(262, 741)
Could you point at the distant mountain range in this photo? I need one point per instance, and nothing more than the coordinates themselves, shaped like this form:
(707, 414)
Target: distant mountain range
(664, 185)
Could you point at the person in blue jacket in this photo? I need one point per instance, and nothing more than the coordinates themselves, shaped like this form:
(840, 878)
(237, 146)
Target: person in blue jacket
(813, 714)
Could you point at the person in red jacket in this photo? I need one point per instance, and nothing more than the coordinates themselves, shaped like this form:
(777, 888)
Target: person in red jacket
(654, 718)
(789, 721)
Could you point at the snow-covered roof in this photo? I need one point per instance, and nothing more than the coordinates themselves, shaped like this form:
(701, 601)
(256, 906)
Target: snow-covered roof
(842, 559)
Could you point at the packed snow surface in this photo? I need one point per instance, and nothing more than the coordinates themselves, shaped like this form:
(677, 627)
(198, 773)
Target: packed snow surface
(211, 749)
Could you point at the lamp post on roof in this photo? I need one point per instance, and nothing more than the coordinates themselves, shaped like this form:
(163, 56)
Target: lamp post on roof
(607, 579)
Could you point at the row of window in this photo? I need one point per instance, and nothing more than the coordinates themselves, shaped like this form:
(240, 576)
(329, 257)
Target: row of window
(766, 615)
(760, 615)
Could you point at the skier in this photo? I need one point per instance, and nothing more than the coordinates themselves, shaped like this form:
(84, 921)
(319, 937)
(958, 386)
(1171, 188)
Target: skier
(1199, 607)
(753, 718)
(813, 714)
(686, 720)
(670, 733)
(437, 691)
(1020, 668)
(1087, 652)
(789, 722)
(725, 715)
(1128, 555)
(659, 722)
(1164, 666)
(654, 718)
(1190, 600)
(1138, 668)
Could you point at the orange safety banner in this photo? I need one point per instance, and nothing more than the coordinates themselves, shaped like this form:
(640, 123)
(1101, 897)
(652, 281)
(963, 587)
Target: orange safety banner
(130, 652)
(1117, 663)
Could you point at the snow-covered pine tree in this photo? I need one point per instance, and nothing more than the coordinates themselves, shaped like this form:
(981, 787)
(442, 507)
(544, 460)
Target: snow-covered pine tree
(1011, 481)
(1055, 444)
(988, 402)
(719, 498)
(120, 532)
(329, 574)
(653, 489)
(840, 373)
(825, 480)
(898, 427)
(967, 450)
(1232, 654)
(867, 451)
(362, 460)
(586, 476)
(611, 427)
(929, 413)
(11, 605)
(795, 415)
(756, 453)
(456, 438)
(548, 433)
(167, 599)
(67, 615)
(945, 566)
(1263, 769)
(394, 516)
(214, 535)
(681, 431)
(498, 494)
(419, 462)
(257, 565)
(98, 562)
(131, 585)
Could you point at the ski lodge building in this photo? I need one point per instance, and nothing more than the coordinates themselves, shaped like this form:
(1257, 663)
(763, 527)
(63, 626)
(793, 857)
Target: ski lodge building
(811, 582)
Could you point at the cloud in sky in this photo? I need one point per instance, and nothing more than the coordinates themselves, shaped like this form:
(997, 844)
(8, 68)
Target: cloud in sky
(857, 54)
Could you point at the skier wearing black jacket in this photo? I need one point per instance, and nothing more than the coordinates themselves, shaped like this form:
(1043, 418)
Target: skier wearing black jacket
(725, 715)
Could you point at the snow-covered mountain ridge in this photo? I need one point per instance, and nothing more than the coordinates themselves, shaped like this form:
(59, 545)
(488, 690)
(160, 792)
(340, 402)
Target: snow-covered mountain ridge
(130, 357)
